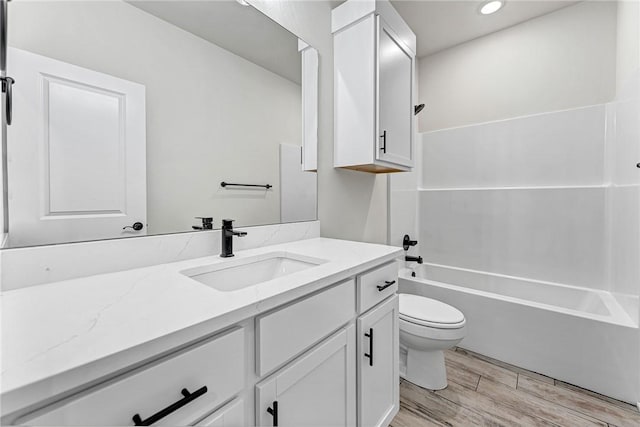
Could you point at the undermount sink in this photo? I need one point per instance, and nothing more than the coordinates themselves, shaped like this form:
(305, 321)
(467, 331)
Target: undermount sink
(244, 272)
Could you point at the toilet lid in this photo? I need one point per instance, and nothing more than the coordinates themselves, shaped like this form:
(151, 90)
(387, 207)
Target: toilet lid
(428, 312)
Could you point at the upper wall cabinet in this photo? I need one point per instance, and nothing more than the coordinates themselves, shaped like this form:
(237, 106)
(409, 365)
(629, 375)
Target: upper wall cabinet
(374, 71)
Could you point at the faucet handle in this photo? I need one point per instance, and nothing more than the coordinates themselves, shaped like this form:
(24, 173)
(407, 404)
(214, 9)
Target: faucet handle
(407, 242)
(207, 223)
(227, 223)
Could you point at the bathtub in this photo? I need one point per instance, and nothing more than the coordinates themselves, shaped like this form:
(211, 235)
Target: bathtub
(585, 337)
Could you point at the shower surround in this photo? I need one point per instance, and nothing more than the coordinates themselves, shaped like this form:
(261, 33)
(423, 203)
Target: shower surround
(531, 227)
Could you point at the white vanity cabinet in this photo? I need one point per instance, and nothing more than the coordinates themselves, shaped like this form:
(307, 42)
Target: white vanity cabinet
(374, 73)
(327, 358)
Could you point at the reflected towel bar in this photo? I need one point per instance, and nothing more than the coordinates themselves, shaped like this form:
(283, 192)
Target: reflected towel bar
(225, 184)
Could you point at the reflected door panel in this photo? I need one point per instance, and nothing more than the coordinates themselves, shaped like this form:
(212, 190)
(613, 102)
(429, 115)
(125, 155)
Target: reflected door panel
(77, 158)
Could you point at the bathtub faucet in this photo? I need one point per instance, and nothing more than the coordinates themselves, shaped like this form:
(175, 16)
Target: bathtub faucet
(410, 258)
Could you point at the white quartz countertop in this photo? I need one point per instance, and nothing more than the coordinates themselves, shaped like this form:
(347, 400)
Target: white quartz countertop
(90, 327)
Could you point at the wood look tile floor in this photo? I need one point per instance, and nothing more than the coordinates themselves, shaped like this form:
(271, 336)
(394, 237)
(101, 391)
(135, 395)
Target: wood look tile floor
(486, 392)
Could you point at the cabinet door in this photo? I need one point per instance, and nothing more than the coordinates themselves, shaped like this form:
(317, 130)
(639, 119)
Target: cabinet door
(318, 389)
(230, 415)
(395, 107)
(378, 380)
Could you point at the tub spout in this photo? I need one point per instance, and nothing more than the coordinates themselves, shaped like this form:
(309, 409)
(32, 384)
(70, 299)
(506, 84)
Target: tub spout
(410, 258)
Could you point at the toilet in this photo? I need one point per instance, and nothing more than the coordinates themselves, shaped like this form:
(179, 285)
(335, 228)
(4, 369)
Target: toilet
(427, 328)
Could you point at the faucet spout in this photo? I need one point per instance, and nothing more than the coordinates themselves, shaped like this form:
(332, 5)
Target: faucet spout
(227, 233)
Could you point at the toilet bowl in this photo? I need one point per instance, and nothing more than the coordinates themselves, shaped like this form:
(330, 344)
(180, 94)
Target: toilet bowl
(427, 328)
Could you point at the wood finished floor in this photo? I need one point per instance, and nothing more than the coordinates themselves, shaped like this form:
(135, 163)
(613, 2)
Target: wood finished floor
(486, 392)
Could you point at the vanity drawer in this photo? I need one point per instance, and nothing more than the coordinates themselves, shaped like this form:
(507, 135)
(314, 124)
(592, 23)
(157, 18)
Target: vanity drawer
(217, 364)
(373, 286)
(287, 332)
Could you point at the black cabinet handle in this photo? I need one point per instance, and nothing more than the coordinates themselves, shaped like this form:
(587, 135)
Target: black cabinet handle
(188, 397)
(383, 147)
(386, 285)
(274, 413)
(7, 84)
(370, 355)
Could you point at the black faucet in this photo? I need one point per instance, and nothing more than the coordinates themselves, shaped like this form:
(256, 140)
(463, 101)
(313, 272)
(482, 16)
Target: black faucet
(406, 244)
(227, 237)
(207, 223)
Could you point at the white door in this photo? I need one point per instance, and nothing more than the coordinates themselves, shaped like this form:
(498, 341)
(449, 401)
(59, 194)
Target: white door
(378, 353)
(76, 153)
(318, 389)
(395, 107)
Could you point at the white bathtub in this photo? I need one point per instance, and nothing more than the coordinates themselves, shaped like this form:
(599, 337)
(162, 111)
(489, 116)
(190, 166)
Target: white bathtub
(585, 337)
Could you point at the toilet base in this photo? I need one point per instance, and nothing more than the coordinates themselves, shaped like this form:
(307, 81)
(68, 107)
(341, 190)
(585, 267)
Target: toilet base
(426, 369)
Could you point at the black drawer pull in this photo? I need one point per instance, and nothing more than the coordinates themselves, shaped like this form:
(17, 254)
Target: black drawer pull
(370, 355)
(386, 285)
(188, 397)
(274, 413)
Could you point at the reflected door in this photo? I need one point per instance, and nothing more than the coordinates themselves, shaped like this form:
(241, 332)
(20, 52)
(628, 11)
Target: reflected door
(77, 168)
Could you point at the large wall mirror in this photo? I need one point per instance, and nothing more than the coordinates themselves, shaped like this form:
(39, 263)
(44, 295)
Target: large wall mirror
(136, 112)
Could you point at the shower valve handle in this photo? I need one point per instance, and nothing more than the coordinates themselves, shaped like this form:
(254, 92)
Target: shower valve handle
(407, 242)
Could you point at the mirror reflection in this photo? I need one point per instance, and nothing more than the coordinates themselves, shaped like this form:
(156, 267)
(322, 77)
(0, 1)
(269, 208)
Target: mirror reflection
(128, 116)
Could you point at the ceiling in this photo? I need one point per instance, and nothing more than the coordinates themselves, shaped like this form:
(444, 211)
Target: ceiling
(242, 30)
(445, 23)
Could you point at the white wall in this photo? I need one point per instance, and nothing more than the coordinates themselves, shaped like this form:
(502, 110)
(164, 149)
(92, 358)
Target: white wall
(561, 60)
(211, 115)
(351, 205)
(521, 197)
(628, 48)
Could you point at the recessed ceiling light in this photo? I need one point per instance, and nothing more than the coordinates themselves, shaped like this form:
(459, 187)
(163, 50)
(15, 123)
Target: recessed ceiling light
(491, 7)
(243, 2)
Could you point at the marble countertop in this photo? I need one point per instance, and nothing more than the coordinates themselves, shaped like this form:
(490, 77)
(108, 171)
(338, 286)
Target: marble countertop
(59, 336)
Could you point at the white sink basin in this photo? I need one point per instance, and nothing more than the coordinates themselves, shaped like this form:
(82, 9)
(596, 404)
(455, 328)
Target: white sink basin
(240, 273)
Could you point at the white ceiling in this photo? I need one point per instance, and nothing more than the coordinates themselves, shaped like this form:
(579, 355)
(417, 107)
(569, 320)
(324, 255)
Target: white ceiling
(242, 30)
(445, 23)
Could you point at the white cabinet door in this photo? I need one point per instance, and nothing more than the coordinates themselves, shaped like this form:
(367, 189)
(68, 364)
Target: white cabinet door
(318, 389)
(378, 352)
(230, 415)
(76, 149)
(395, 108)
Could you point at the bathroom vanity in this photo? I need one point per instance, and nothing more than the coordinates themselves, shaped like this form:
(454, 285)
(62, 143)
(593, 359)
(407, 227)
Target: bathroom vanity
(293, 334)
